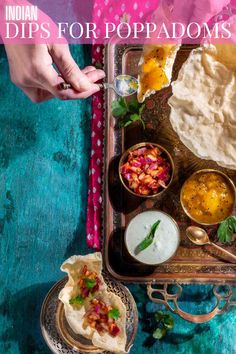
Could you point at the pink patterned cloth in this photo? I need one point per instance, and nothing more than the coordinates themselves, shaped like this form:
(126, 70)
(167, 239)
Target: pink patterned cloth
(94, 211)
(113, 11)
(108, 10)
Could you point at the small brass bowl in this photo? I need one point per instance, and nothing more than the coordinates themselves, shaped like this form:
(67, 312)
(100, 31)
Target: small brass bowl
(227, 180)
(123, 160)
(178, 236)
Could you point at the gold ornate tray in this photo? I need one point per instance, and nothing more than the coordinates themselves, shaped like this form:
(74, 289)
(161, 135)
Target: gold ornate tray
(191, 264)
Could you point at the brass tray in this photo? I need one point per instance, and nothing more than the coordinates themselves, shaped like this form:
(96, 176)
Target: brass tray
(191, 264)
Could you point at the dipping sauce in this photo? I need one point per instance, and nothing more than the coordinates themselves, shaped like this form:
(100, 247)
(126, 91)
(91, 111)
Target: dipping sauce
(208, 197)
(166, 240)
(147, 170)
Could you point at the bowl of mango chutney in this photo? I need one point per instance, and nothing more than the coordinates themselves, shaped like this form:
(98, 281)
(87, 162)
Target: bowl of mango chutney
(208, 197)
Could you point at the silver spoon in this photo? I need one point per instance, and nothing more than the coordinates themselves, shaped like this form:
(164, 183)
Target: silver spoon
(123, 85)
(200, 238)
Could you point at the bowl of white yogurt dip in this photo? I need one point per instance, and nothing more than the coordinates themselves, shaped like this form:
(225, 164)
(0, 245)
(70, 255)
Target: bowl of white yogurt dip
(165, 237)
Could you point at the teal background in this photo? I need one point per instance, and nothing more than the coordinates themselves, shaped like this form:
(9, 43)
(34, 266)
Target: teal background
(44, 157)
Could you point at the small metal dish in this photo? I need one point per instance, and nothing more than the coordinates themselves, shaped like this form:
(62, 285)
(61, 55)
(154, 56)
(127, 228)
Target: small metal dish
(59, 336)
(227, 179)
(168, 259)
(123, 160)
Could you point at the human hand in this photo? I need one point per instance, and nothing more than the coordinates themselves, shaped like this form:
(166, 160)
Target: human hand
(31, 69)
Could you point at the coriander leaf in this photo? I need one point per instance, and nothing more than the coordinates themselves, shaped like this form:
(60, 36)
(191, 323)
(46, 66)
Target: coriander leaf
(141, 109)
(78, 300)
(226, 229)
(232, 223)
(168, 321)
(122, 102)
(129, 119)
(124, 123)
(90, 283)
(114, 314)
(159, 315)
(119, 107)
(134, 117)
(223, 232)
(118, 111)
(147, 241)
(140, 114)
(228, 236)
(158, 326)
(133, 105)
(159, 333)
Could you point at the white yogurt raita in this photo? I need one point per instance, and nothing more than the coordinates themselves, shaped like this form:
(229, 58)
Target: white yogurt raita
(166, 240)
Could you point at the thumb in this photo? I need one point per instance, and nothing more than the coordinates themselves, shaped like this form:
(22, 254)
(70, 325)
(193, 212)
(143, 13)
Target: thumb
(68, 68)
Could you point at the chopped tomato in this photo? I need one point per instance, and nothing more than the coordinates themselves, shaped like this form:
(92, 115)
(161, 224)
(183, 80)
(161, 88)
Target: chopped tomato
(146, 171)
(88, 283)
(99, 317)
(114, 330)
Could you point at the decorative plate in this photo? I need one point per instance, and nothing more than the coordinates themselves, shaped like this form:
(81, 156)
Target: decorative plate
(59, 336)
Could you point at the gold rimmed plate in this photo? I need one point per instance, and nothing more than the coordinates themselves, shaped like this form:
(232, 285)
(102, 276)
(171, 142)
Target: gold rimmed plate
(59, 336)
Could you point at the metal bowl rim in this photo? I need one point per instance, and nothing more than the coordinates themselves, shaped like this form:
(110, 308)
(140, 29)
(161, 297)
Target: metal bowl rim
(178, 234)
(134, 147)
(208, 170)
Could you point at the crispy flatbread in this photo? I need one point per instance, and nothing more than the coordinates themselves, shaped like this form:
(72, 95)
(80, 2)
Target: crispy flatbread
(73, 267)
(224, 53)
(114, 344)
(203, 106)
(75, 314)
(155, 68)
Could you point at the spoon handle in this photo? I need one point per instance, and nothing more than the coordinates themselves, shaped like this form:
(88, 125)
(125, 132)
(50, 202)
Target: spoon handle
(65, 86)
(106, 85)
(224, 251)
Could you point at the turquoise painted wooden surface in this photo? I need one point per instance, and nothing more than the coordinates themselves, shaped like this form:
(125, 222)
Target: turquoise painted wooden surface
(44, 153)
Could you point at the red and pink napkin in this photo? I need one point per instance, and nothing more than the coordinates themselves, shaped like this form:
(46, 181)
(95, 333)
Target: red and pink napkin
(105, 10)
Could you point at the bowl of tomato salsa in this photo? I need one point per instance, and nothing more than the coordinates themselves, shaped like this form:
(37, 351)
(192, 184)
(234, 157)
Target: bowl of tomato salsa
(146, 170)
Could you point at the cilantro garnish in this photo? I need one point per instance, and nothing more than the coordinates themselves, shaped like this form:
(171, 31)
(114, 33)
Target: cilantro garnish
(114, 314)
(157, 325)
(78, 300)
(165, 322)
(127, 112)
(89, 283)
(226, 229)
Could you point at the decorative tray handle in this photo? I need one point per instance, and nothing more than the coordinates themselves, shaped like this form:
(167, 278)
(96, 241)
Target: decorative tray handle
(167, 298)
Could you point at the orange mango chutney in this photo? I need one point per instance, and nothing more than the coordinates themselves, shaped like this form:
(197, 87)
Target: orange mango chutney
(208, 197)
(153, 75)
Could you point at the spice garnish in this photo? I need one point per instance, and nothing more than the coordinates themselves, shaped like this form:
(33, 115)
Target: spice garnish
(78, 300)
(127, 112)
(226, 229)
(114, 313)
